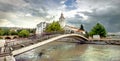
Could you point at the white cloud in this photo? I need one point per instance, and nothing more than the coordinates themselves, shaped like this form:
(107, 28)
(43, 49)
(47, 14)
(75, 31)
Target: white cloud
(18, 3)
(62, 2)
(71, 13)
(6, 23)
(29, 15)
(8, 15)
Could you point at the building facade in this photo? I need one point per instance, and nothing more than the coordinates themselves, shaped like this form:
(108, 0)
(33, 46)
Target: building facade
(40, 28)
(42, 25)
(71, 29)
(68, 29)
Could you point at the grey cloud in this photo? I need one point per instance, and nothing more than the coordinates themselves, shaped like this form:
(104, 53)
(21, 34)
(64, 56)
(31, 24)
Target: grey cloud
(49, 4)
(78, 16)
(76, 21)
(106, 12)
(35, 12)
(6, 7)
(40, 8)
(39, 11)
(109, 17)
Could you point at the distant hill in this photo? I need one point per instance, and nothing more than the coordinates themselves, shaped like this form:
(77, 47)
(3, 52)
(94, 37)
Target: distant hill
(15, 28)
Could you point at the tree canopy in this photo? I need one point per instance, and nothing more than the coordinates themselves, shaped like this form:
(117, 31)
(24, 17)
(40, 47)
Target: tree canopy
(4, 32)
(1, 32)
(13, 32)
(98, 29)
(20, 32)
(24, 33)
(54, 26)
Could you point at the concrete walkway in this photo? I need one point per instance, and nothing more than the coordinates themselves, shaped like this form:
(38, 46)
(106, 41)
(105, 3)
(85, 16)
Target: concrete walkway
(27, 48)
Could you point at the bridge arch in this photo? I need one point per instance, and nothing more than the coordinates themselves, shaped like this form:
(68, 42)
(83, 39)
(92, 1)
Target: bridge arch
(1, 37)
(7, 37)
(27, 48)
(14, 37)
(72, 35)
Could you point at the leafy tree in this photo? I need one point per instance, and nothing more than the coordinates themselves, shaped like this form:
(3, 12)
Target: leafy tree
(1, 32)
(6, 31)
(31, 30)
(98, 29)
(19, 30)
(53, 27)
(81, 27)
(13, 32)
(24, 33)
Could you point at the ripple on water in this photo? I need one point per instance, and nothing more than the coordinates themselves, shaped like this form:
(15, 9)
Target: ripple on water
(72, 52)
(101, 53)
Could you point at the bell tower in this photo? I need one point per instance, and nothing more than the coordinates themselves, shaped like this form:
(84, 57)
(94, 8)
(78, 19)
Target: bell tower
(62, 20)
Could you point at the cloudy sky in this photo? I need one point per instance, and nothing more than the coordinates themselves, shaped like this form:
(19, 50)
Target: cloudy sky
(28, 13)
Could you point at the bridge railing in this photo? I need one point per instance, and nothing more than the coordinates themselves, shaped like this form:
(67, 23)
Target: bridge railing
(25, 42)
(36, 39)
(16, 44)
(5, 51)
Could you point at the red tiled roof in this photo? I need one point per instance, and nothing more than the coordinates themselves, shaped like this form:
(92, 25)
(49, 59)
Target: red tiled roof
(78, 30)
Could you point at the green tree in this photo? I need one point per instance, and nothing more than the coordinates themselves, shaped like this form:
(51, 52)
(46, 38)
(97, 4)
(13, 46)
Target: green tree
(1, 32)
(53, 27)
(19, 30)
(13, 32)
(98, 29)
(31, 30)
(6, 31)
(24, 33)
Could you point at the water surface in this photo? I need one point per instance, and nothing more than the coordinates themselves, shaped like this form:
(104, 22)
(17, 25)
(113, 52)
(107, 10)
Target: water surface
(64, 51)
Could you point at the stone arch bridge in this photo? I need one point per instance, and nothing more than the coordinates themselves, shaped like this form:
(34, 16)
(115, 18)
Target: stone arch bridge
(9, 37)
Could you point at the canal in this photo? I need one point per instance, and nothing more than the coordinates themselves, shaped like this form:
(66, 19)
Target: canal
(67, 51)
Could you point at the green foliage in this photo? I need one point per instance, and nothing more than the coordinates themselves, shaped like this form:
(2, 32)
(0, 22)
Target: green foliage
(32, 30)
(12, 32)
(1, 32)
(53, 27)
(6, 31)
(19, 30)
(98, 29)
(24, 33)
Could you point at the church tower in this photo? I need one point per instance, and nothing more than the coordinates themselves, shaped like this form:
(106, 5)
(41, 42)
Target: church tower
(62, 20)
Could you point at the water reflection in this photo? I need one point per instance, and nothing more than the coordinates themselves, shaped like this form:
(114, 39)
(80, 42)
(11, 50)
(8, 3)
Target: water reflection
(101, 53)
(61, 51)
